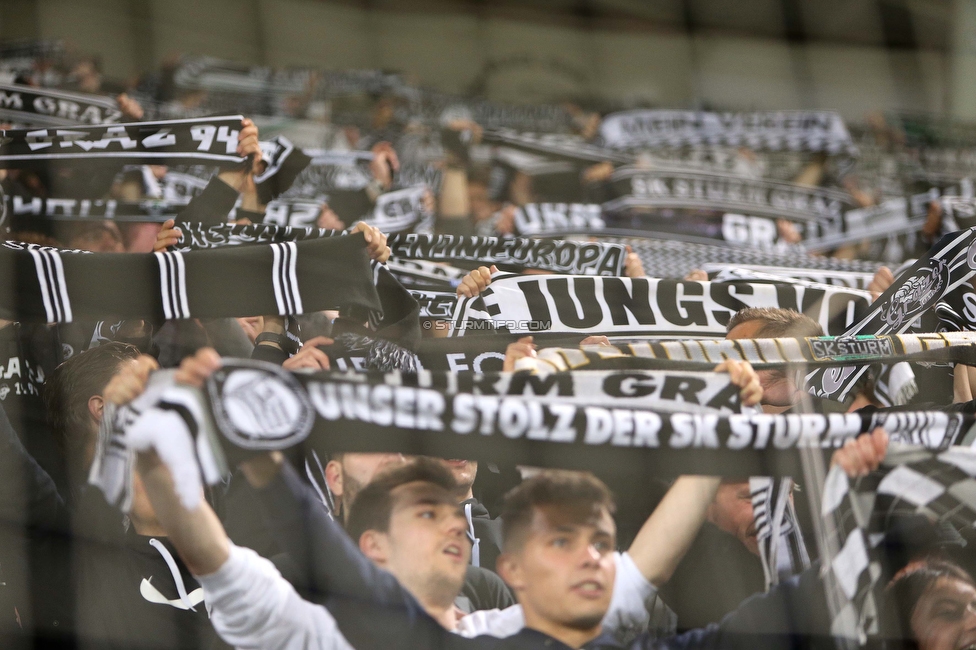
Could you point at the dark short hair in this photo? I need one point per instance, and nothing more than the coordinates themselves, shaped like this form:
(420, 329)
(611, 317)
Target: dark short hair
(71, 385)
(372, 508)
(550, 488)
(907, 588)
(777, 322)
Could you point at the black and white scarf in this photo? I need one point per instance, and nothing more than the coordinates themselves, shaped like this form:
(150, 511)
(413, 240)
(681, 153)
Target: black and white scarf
(558, 218)
(960, 208)
(555, 145)
(194, 237)
(434, 107)
(794, 130)
(402, 211)
(424, 275)
(87, 209)
(329, 171)
(183, 182)
(642, 306)
(26, 58)
(435, 305)
(820, 352)
(911, 481)
(781, 547)
(57, 286)
(699, 206)
(663, 189)
(664, 258)
(258, 407)
(207, 139)
(947, 268)
(513, 253)
(849, 279)
(296, 213)
(33, 106)
(232, 80)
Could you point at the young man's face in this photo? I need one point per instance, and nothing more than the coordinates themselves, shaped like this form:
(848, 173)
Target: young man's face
(426, 545)
(945, 616)
(564, 570)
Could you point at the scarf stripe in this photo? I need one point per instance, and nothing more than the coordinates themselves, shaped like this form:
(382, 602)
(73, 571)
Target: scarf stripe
(50, 278)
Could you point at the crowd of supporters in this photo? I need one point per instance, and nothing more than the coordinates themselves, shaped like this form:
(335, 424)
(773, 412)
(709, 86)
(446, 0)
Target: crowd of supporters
(478, 449)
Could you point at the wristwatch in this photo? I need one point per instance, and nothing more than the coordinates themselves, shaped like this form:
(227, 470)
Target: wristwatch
(282, 341)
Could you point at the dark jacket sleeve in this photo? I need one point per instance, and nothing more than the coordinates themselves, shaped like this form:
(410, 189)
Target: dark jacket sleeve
(325, 556)
(26, 490)
(211, 206)
(791, 615)
(269, 353)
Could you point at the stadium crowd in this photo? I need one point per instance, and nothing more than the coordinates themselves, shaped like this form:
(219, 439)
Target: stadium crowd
(307, 359)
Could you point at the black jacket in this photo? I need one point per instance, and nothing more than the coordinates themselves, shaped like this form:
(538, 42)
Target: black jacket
(373, 610)
(129, 597)
(487, 531)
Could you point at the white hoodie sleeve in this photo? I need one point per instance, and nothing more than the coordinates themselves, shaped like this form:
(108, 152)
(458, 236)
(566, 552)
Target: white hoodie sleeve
(252, 606)
(629, 613)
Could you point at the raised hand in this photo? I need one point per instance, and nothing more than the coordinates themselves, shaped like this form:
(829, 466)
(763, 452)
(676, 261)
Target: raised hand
(375, 241)
(310, 356)
(475, 282)
(522, 348)
(742, 374)
(863, 454)
(168, 235)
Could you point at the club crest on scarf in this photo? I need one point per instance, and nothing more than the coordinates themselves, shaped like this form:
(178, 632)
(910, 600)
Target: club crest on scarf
(261, 406)
(917, 294)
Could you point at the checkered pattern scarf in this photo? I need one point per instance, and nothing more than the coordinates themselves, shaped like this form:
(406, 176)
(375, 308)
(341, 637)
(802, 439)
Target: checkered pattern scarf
(940, 485)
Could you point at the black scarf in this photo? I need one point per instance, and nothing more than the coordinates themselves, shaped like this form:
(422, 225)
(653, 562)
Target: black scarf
(29, 105)
(513, 253)
(947, 268)
(663, 258)
(202, 237)
(795, 130)
(849, 279)
(207, 139)
(89, 209)
(642, 307)
(258, 407)
(55, 286)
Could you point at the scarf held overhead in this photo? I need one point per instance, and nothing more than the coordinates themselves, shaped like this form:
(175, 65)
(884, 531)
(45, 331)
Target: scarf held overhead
(795, 130)
(514, 253)
(208, 139)
(260, 407)
(55, 286)
(642, 306)
(29, 105)
(947, 268)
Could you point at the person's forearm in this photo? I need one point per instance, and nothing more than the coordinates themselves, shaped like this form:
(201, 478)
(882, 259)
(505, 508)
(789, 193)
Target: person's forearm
(454, 201)
(210, 206)
(670, 530)
(197, 534)
(252, 606)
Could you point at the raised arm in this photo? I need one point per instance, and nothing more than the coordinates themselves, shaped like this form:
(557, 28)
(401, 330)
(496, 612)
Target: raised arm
(669, 532)
(251, 604)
